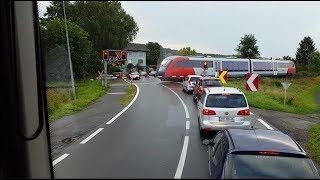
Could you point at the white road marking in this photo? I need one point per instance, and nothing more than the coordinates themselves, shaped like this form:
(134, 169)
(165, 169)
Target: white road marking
(251, 113)
(265, 124)
(187, 124)
(59, 159)
(184, 105)
(182, 158)
(127, 107)
(91, 136)
(118, 93)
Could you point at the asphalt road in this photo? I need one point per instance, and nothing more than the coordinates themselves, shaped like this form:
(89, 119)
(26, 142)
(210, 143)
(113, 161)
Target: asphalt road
(151, 139)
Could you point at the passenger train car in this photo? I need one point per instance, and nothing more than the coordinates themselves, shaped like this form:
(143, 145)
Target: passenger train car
(177, 67)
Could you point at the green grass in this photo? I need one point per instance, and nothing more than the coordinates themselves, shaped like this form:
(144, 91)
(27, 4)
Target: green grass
(60, 103)
(300, 95)
(126, 99)
(313, 145)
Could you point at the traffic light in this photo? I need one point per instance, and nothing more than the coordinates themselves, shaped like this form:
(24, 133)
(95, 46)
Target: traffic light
(205, 65)
(105, 54)
(124, 55)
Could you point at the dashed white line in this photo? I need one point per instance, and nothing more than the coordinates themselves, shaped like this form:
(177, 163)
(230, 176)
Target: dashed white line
(59, 159)
(182, 158)
(187, 124)
(127, 107)
(91, 136)
(265, 124)
(184, 105)
(118, 93)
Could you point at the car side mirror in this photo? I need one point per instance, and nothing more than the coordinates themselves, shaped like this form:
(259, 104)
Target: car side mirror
(207, 142)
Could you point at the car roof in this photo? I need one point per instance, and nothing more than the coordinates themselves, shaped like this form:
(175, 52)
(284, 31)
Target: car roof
(194, 76)
(263, 140)
(222, 90)
(209, 77)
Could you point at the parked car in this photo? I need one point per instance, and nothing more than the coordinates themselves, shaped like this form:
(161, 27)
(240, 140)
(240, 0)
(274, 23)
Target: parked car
(117, 74)
(222, 107)
(135, 75)
(205, 82)
(143, 73)
(189, 82)
(153, 73)
(258, 154)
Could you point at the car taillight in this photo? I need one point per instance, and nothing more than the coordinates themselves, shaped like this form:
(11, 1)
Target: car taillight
(208, 112)
(245, 112)
(269, 153)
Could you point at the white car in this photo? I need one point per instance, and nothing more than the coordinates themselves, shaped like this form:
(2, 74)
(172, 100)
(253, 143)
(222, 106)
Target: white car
(135, 75)
(153, 73)
(222, 107)
(143, 73)
(189, 82)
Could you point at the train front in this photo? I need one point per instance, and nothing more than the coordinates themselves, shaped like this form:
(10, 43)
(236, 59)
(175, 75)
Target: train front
(161, 73)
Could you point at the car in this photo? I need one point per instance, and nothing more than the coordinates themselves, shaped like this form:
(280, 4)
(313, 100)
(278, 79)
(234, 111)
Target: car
(143, 73)
(117, 74)
(135, 75)
(222, 107)
(205, 82)
(257, 154)
(189, 82)
(153, 73)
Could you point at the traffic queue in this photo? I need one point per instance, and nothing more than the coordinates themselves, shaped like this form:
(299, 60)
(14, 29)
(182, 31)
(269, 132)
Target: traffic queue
(238, 149)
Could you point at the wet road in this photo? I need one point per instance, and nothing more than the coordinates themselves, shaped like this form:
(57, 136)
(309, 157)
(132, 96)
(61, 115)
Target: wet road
(151, 139)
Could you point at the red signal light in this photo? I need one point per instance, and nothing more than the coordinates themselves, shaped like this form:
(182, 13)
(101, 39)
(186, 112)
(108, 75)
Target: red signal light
(269, 153)
(124, 55)
(105, 54)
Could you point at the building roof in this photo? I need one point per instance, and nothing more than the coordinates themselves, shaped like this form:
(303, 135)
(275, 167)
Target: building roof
(262, 140)
(136, 47)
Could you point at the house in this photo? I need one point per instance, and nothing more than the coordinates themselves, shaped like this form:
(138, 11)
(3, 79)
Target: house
(137, 53)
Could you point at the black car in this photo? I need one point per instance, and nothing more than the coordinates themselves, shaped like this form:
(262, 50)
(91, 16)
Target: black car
(257, 153)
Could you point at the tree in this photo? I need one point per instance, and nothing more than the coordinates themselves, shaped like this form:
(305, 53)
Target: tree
(108, 25)
(306, 47)
(287, 58)
(187, 51)
(247, 47)
(53, 33)
(153, 54)
(314, 62)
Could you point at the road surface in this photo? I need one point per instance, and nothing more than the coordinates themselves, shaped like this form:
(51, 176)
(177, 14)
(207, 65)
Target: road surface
(150, 139)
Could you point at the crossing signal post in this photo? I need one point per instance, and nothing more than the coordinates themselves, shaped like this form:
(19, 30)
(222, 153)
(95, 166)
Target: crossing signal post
(205, 67)
(105, 57)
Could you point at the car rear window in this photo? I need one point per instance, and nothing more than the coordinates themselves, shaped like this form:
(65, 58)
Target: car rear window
(212, 83)
(226, 101)
(271, 167)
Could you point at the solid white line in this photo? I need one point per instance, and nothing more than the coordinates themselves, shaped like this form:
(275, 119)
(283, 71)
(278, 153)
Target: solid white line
(59, 159)
(184, 105)
(265, 124)
(127, 107)
(187, 124)
(91, 136)
(118, 93)
(182, 158)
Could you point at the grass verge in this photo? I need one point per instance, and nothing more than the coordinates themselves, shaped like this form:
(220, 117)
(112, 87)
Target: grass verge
(313, 144)
(61, 104)
(126, 99)
(301, 95)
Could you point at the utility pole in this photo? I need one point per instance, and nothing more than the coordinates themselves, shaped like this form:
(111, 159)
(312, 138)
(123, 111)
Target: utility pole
(68, 46)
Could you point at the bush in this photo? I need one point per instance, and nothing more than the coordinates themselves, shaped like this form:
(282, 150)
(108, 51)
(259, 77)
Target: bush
(307, 74)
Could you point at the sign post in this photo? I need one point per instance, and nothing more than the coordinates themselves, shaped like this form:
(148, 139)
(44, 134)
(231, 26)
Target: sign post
(252, 83)
(285, 87)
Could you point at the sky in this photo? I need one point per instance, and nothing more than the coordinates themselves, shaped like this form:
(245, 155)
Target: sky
(216, 27)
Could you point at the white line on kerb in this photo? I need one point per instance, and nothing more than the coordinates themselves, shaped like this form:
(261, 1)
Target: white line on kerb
(59, 159)
(127, 107)
(265, 124)
(184, 105)
(182, 158)
(91, 136)
(187, 124)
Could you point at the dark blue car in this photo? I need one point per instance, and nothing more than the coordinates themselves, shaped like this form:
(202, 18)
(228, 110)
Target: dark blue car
(257, 153)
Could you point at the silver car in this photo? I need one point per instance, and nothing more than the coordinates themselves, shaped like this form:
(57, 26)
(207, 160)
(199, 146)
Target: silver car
(189, 82)
(221, 108)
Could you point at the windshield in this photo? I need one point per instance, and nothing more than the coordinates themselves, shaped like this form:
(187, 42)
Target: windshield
(270, 167)
(226, 101)
(194, 79)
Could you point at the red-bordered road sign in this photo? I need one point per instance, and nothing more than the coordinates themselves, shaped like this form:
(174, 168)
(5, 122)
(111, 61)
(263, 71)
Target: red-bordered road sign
(252, 83)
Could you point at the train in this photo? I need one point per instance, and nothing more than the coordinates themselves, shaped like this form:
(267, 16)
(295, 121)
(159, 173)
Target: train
(177, 67)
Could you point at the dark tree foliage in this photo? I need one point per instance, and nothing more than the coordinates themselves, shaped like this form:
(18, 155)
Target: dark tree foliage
(248, 47)
(306, 47)
(153, 54)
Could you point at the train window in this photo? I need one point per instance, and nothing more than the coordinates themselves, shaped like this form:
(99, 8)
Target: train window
(285, 64)
(262, 66)
(183, 64)
(234, 66)
(199, 64)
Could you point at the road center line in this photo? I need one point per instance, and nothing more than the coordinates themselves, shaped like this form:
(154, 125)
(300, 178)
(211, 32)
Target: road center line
(184, 105)
(265, 124)
(127, 107)
(91, 136)
(59, 159)
(187, 124)
(182, 158)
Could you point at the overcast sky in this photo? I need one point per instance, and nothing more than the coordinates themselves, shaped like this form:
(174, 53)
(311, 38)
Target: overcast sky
(216, 27)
